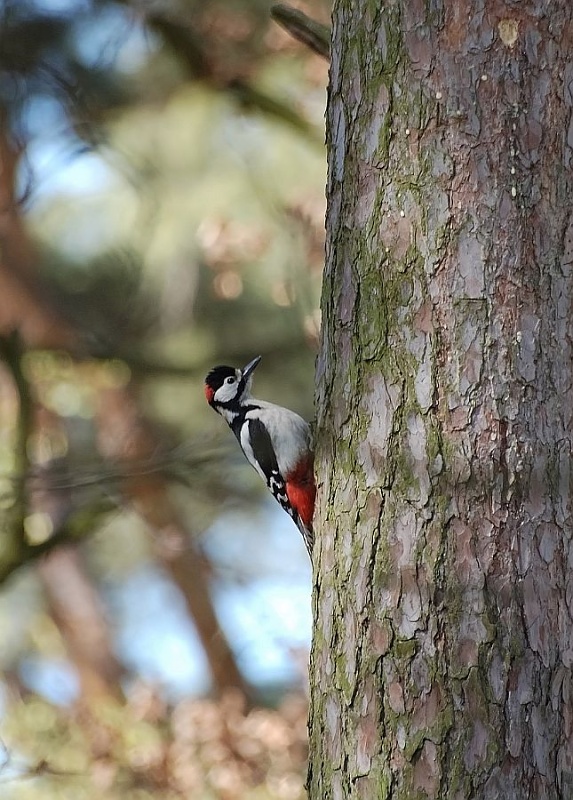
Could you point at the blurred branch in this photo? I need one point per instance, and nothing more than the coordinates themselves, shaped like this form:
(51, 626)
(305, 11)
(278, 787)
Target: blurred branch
(69, 488)
(146, 367)
(191, 52)
(126, 434)
(125, 427)
(11, 353)
(303, 28)
(15, 547)
(77, 610)
(27, 307)
(24, 302)
(76, 528)
(252, 99)
(190, 459)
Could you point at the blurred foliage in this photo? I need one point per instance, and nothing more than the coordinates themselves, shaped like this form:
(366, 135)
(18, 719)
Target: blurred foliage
(141, 749)
(161, 210)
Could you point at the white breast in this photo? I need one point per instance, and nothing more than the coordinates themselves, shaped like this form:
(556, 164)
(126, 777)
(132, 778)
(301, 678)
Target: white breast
(290, 435)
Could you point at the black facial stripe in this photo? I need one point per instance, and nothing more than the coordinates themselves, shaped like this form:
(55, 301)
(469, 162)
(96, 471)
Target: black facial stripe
(241, 388)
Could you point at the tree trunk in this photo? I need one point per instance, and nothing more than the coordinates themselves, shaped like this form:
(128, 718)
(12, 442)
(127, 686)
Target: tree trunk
(79, 615)
(126, 435)
(443, 646)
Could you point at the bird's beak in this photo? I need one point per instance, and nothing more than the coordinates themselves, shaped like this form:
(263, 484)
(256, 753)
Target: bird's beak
(250, 368)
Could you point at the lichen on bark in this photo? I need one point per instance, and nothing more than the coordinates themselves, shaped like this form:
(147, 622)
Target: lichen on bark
(441, 663)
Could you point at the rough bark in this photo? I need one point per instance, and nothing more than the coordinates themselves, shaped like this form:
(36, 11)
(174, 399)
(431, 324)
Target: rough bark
(443, 646)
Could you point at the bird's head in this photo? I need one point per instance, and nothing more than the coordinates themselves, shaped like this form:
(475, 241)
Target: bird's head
(226, 387)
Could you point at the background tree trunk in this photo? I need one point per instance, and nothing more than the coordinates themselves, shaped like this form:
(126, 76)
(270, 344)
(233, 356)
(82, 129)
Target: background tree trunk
(441, 664)
(25, 307)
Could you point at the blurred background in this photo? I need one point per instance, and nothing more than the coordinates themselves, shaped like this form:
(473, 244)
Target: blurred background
(162, 177)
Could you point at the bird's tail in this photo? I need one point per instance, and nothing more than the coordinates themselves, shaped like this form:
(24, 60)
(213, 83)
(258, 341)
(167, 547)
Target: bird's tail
(307, 535)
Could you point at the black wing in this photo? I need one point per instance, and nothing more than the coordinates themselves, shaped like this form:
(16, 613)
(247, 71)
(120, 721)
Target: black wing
(264, 453)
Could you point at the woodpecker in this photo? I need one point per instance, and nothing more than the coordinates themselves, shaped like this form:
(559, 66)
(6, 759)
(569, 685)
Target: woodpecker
(275, 441)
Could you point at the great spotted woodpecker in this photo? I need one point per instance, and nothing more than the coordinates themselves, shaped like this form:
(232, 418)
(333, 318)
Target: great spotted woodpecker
(275, 441)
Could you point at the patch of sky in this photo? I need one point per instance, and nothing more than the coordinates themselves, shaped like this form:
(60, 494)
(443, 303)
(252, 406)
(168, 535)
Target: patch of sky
(63, 166)
(263, 605)
(268, 543)
(154, 636)
(112, 37)
(57, 160)
(266, 622)
(61, 6)
(264, 602)
(43, 116)
(55, 679)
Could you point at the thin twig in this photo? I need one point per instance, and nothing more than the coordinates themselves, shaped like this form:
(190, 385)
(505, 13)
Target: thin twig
(303, 28)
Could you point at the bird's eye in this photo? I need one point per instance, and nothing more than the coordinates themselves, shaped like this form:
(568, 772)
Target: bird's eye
(230, 380)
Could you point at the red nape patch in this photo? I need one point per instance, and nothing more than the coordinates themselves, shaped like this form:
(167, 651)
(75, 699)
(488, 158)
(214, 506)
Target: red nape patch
(301, 491)
(209, 393)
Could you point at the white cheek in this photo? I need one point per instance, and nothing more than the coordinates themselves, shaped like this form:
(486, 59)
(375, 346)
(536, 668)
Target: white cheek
(226, 392)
